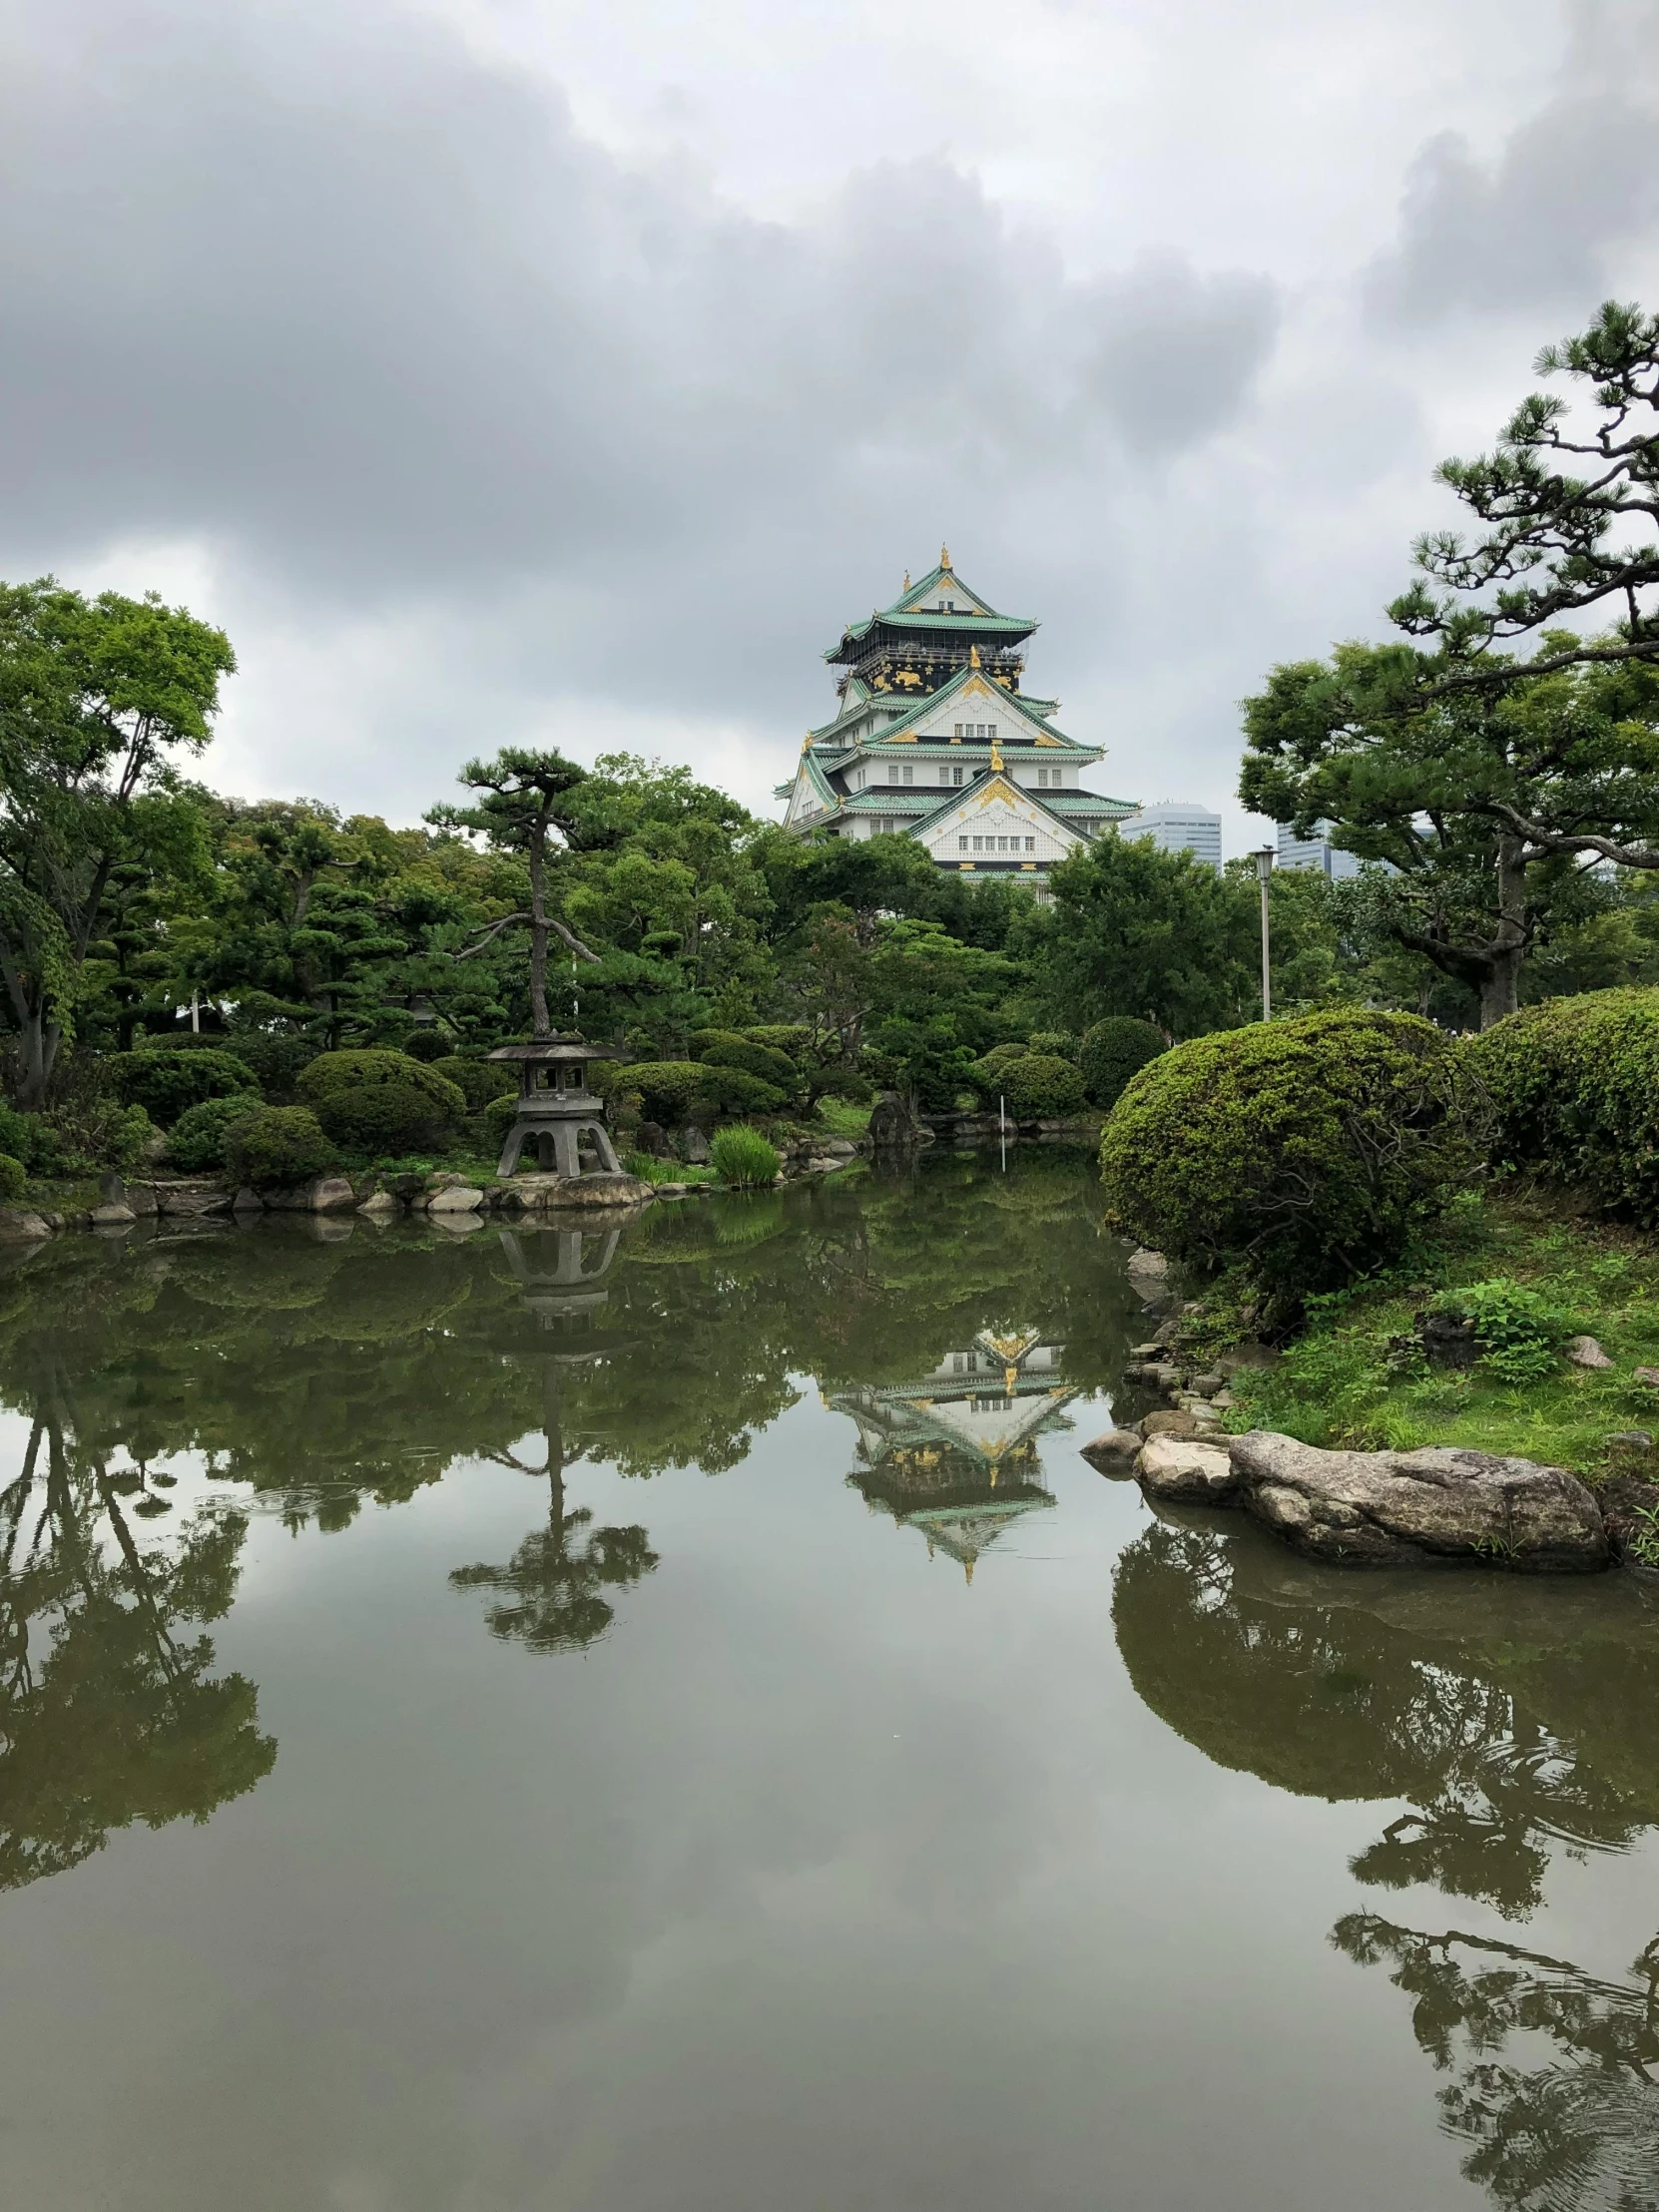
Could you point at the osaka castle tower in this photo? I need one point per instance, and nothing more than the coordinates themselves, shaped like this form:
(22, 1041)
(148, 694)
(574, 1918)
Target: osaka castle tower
(934, 739)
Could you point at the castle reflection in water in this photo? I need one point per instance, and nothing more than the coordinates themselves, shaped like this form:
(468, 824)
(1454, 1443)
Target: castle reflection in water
(953, 1453)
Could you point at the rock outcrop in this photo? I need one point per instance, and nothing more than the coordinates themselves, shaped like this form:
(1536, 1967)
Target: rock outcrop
(1441, 1503)
(1186, 1470)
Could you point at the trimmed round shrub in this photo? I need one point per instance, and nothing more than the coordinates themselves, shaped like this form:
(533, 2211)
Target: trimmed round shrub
(372, 1067)
(665, 1087)
(168, 1083)
(989, 1073)
(387, 1117)
(1112, 1051)
(724, 1048)
(31, 1139)
(795, 1039)
(430, 1045)
(196, 1142)
(1042, 1087)
(723, 1090)
(1307, 1150)
(374, 1101)
(478, 1081)
(1059, 1043)
(1575, 1090)
(276, 1147)
(13, 1176)
(276, 1058)
(741, 1156)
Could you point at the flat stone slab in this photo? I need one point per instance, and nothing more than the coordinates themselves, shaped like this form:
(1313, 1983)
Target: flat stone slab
(534, 1192)
(1438, 1504)
(1185, 1470)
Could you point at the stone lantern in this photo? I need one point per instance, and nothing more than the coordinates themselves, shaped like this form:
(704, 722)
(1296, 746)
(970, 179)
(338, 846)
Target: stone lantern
(555, 1110)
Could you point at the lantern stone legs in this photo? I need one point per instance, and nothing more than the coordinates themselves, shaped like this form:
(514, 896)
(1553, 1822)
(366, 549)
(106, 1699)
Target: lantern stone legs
(555, 1139)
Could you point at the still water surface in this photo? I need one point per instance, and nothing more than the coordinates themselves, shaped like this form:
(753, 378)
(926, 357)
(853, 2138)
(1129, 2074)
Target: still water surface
(666, 1722)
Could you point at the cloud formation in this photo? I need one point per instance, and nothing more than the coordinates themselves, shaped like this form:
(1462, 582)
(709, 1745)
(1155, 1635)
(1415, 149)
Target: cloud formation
(476, 425)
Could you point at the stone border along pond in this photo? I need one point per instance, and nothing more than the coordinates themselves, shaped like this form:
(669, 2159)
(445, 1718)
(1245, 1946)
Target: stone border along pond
(125, 1200)
(1439, 1506)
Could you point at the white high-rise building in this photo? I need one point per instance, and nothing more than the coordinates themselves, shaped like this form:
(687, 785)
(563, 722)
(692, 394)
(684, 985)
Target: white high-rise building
(1174, 828)
(1316, 853)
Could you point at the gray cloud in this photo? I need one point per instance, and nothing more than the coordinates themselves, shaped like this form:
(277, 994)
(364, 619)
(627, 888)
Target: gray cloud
(1536, 226)
(316, 285)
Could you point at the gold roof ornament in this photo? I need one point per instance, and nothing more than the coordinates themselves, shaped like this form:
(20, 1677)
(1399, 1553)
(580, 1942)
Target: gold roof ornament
(806, 743)
(945, 556)
(974, 655)
(906, 579)
(997, 757)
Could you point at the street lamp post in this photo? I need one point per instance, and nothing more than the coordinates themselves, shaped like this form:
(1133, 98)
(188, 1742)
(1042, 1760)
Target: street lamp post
(1264, 869)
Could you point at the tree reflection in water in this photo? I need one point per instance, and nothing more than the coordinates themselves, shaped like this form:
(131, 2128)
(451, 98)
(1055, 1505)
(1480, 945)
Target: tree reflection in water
(1503, 1713)
(108, 1713)
(550, 1586)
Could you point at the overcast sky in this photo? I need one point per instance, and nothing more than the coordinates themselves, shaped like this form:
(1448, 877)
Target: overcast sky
(570, 370)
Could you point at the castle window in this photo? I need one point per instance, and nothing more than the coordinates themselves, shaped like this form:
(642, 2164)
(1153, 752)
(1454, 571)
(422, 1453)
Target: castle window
(944, 776)
(990, 731)
(1042, 778)
(962, 845)
(1030, 844)
(907, 775)
(978, 845)
(957, 732)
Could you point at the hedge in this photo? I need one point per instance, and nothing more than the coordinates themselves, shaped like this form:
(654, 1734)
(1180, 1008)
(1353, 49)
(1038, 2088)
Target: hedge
(672, 1090)
(1575, 1090)
(478, 1081)
(724, 1048)
(13, 1177)
(1111, 1053)
(1307, 1150)
(277, 1147)
(340, 1071)
(168, 1083)
(196, 1142)
(1042, 1086)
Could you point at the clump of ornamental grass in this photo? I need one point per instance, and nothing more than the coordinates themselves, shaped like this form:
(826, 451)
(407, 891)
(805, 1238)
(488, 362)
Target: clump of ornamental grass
(742, 1157)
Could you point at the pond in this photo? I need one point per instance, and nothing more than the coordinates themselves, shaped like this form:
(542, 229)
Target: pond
(664, 1720)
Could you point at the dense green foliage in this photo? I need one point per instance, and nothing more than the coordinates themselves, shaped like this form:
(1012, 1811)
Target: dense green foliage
(13, 1176)
(278, 1148)
(741, 1156)
(1111, 1053)
(1487, 781)
(1307, 1151)
(167, 1084)
(718, 1048)
(1574, 1085)
(478, 1081)
(1519, 1333)
(381, 1102)
(196, 1142)
(1039, 1086)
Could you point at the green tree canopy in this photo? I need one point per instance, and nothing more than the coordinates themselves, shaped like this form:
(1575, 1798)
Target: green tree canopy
(98, 700)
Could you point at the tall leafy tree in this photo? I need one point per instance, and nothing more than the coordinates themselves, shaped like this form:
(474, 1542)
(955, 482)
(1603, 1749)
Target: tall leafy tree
(1155, 935)
(1489, 806)
(526, 805)
(99, 700)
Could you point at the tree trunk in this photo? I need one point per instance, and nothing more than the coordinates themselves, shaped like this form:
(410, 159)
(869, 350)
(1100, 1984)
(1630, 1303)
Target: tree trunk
(539, 1021)
(37, 1054)
(1500, 985)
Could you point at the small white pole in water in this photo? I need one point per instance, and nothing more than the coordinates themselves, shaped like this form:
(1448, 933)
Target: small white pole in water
(1002, 1128)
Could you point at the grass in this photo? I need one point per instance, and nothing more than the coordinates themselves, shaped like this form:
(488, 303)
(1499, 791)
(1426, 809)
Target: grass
(652, 1170)
(841, 1118)
(1354, 1378)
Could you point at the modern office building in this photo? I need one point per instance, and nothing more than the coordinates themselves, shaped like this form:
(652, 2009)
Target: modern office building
(1316, 852)
(1174, 828)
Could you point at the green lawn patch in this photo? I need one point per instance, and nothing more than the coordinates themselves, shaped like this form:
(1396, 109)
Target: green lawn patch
(1356, 1378)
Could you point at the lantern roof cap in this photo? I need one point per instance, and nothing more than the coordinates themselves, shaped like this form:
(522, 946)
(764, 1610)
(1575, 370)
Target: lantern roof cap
(557, 1049)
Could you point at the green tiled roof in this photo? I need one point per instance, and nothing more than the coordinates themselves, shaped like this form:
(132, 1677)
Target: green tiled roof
(904, 615)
